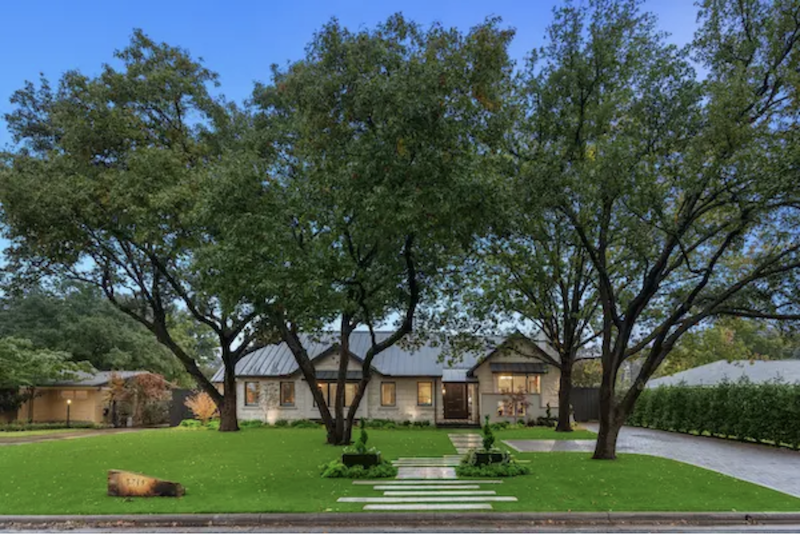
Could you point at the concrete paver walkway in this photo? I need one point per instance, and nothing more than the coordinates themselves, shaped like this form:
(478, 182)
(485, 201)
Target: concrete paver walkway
(430, 483)
(771, 467)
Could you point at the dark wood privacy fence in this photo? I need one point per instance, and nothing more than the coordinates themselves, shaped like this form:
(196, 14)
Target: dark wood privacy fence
(586, 404)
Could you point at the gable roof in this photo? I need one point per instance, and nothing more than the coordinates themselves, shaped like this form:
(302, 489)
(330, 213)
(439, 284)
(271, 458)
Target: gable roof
(277, 360)
(757, 371)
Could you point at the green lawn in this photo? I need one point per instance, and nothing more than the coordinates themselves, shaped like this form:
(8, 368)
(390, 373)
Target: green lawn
(275, 470)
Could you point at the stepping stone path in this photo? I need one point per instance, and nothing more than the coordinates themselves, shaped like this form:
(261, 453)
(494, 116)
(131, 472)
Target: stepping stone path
(430, 484)
(464, 442)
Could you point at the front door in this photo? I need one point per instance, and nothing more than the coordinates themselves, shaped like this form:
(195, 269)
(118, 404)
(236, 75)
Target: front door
(455, 401)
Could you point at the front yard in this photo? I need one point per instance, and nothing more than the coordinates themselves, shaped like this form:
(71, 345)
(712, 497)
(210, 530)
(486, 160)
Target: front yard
(276, 470)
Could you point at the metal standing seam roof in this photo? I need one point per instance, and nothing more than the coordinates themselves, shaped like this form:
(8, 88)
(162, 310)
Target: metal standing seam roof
(278, 361)
(757, 371)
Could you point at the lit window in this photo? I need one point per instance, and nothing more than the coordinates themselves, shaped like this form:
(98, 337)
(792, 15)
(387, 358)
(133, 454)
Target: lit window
(329, 393)
(287, 394)
(251, 391)
(388, 395)
(350, 390)
(528, 384)
(425, 394)
(507, 408)
(534, 384)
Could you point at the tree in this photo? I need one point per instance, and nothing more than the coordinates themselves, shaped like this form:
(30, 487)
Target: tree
(103, 187)
(530, 278)
(729, 339)
(374, 147)
(682, 192)
(79, 320)
(22, 368)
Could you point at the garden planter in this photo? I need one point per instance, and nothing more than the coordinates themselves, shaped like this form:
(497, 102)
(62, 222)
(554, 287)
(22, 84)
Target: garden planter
(361, 459)
(489, 458)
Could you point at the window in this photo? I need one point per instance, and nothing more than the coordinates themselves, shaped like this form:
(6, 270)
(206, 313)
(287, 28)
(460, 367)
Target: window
(517, 383)
(251, 391)
(388, 395)
(425, 394)
(287, 394)
(508, 408)
(329, 393)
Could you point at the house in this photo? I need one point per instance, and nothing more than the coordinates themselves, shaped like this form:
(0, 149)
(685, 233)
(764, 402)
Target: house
(756, 371)
(86, 395)
(406, 384)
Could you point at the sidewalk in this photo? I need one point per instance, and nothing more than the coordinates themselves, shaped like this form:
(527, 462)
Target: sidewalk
(78, 433)
(426, 522)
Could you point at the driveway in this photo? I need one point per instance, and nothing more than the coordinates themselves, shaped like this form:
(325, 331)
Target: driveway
(771, 467)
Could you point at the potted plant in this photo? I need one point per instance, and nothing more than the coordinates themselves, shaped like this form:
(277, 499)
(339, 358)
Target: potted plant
(359, 454)
(489, 454)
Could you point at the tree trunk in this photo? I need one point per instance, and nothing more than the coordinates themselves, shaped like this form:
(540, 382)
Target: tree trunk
(227, 411)
(606, 447)
(565, 398)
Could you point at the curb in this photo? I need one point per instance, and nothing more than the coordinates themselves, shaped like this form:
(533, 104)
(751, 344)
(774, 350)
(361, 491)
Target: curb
(285, 519)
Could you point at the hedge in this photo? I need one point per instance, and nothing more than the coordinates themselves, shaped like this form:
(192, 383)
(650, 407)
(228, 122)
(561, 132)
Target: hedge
(764, 412)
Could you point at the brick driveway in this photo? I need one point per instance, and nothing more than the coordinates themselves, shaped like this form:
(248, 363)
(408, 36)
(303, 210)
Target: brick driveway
(771, 467)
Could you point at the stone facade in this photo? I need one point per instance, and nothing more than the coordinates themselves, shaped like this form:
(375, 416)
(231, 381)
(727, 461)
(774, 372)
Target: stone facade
(483, 395)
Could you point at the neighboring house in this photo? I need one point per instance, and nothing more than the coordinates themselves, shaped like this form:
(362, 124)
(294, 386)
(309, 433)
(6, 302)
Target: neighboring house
(757, 371)
(86, 395)
(406, 384)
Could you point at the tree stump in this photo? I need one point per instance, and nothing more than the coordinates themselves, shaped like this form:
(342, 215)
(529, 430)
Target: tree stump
(122, 483)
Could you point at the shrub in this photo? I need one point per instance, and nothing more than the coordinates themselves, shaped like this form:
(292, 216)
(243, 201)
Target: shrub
(213, 425)
(202, 406)
(509, 469)
(302, 424)
(192, 424)
(422, 423)
(488, 435)
(281, 423)
(767, 412)
(250, 424)
(337, 469)
(44, 426)
(381, 424)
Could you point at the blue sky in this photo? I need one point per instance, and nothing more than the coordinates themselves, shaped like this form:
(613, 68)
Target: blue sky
(240, 39)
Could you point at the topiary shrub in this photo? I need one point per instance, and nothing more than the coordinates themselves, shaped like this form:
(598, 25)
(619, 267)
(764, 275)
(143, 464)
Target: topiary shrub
(488, 435)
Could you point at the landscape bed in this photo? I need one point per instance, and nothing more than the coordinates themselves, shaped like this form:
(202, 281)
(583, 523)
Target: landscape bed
(277, 470)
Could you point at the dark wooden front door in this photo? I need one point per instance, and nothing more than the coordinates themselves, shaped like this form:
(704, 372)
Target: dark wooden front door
(455, 401)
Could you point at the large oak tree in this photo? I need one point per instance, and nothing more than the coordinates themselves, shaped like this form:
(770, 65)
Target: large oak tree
(102, 190)
(366, 181)
(682, 191)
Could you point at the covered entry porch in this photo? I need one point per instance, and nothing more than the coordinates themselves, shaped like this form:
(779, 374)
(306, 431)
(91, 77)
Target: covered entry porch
(459, 400)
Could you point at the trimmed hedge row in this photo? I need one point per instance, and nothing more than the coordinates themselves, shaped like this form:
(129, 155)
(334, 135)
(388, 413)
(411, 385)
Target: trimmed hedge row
(765, 412)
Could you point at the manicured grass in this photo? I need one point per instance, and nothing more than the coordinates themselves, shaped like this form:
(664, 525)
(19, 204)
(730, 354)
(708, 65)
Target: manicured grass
(276, 470)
